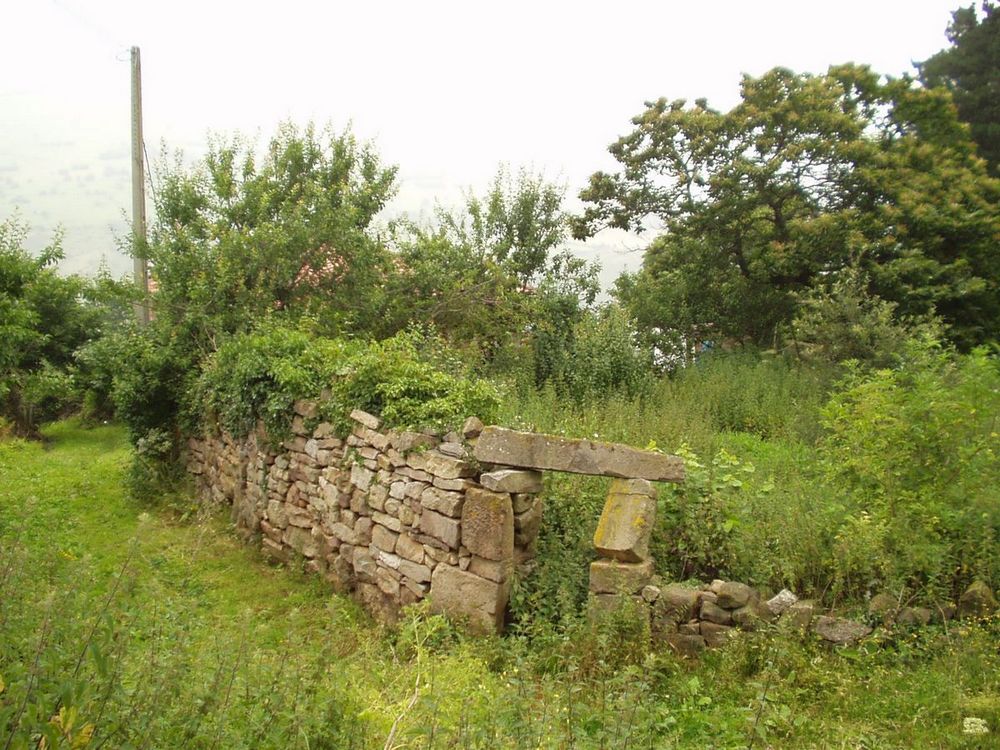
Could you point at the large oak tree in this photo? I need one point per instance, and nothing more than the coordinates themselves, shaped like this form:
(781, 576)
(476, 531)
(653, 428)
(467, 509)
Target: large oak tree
(807, 176)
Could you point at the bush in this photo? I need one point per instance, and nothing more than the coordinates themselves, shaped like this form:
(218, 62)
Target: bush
(913, 452)
(259, 376)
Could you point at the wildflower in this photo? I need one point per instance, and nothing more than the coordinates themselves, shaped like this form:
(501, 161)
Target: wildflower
(974, 725)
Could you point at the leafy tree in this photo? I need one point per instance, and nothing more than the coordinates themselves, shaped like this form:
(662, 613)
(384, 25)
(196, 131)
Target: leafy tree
(237, 238)
(970, 70)
(806, 176)
(44, 318)
(495, 270)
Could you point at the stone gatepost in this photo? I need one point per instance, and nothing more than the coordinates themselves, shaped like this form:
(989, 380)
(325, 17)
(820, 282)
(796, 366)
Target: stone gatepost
(622, 539)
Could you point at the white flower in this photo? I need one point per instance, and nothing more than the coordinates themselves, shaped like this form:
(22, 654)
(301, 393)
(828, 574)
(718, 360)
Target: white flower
(974, 725)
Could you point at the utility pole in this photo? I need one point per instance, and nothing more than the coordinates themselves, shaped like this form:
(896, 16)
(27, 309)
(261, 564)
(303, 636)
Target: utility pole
(140, 270)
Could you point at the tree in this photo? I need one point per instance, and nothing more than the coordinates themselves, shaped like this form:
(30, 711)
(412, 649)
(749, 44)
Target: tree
(493, 268)
(235, 240)
(970, 70)
(44, 319)
(806, 177)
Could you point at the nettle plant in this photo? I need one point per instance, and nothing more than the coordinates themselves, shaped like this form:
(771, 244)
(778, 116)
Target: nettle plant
(699, 518)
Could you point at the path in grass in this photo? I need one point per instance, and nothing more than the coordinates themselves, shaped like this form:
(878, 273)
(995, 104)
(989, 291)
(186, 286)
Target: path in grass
(149, 630)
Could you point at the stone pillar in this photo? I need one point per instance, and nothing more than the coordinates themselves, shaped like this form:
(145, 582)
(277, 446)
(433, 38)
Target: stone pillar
(625, 565)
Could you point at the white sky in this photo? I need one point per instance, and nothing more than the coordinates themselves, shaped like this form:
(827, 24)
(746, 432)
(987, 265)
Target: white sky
(446, 90)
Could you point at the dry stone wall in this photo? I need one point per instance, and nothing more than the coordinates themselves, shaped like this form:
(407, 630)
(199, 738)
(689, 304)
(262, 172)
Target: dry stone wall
(390, 516)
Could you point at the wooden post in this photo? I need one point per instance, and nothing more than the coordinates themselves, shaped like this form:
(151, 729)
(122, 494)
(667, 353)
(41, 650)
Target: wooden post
(140, 269)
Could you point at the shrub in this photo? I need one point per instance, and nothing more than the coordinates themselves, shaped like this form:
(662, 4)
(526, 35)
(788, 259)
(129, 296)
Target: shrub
(914, 453)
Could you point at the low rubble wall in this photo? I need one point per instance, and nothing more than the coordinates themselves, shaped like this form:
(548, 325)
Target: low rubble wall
(386, 515)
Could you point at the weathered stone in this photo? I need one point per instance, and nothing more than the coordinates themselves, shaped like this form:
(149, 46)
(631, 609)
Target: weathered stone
(781, 601)
(977, 601)
(408, 441)
(415, 474)
(453, 485)
(443, 501)
(840, 631)
(276, 514)
(498, 571)
(527, 524)
(410, 549)
(384, 539)
(414, 571)
(455, 450)
(390, 522)
(499, 445)
(488, 524)
(324, 430)
(472, 427)
(733, 595)
(752, 615)
(364, 564)
(714, 613)
(689, 628)
(687, 646)
(305, 408)
(626, 523)
(883, 606)
(361, 477)
(716, 635)
(676, 604)
(650, 593)
(446, 467)
(377, 496)
(602, 605)
(368, 420)
(914, 617)
(523, 502)
(512, 480)
(446, 530)
(345, 533)
(274, 550)
(301, 540)
(614, 577)
(467, 597)
(800, 615)
(386, 582)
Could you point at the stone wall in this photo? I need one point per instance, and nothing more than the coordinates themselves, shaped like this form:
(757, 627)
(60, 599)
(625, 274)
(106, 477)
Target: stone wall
(390, 516)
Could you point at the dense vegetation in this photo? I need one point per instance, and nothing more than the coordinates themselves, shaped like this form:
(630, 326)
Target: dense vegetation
(813, 331)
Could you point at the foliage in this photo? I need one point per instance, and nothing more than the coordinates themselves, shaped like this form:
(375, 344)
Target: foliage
(44, 318)
(806, 176)
(237, 237)
(493, 273)
(160, 642)
(914, 453)
(842, 321)
(260, 375)
(969, 70)
(593, 359)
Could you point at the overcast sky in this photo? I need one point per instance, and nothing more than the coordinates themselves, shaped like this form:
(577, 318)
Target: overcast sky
(446, 90)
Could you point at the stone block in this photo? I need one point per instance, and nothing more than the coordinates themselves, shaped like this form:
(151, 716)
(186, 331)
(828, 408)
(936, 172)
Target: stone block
(414, 571)
(626, 523)
(466, 597)
(684, 645)
(714, 613)
(613, 577)
(472, 428)
(364, 418)
(498, 445)
(443, 501)
(390, 522)
(301, 540)
(383, 538)
(446, 467)
(716, 635)
(977, 601)
(839, 631)
(444, 529)
(512, 480)
(733, 595)
(410, 549)
(527, 524)
(498, 571)
(361, 477)
(488, 524)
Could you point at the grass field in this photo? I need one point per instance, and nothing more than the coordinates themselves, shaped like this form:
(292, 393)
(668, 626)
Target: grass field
(130, 626)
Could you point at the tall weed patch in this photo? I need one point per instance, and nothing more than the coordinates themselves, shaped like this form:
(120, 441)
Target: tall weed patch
(914, 455)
